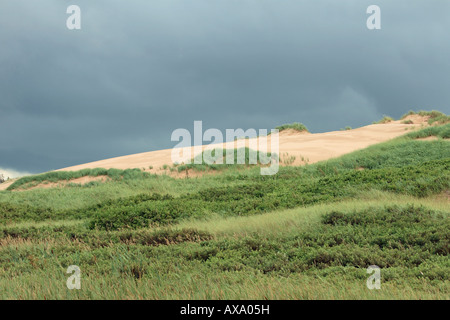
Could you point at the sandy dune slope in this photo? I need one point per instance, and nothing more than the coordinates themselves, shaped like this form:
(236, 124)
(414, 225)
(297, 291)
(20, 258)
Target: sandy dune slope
(5, 185)
(304, 147)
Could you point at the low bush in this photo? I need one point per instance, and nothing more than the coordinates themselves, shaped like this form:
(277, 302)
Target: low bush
(297, 126)
(394, 238)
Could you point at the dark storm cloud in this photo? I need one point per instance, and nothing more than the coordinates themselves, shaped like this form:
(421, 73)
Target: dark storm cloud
(140, 69)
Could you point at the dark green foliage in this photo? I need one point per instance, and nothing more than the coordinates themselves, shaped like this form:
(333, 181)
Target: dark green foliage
(13, 212)
(169, 237)
(445, 133)
(392, 237)
(129, 201)
(257, 197)
(98, 238)
(146, 214)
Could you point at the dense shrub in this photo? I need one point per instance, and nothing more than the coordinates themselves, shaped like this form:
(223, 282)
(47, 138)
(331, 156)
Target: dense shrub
(146, 214)
(15, 212)
(257, 197)
(392, 237)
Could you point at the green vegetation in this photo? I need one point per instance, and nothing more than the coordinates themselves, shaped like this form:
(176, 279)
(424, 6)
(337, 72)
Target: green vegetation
(257, 197)
(307, 232)
(434, 131)
(242, 158)
(435, 117)
(287, 159)
(57, 176)
(294, 126)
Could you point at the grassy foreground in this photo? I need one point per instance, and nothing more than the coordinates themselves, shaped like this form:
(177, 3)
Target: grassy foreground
(306, 233)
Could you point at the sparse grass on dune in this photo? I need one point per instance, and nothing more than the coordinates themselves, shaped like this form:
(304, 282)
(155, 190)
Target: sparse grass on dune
(300, 127)
(385, 119)
(435, 117)
(132, 180)
(241, 158)
(308, 232)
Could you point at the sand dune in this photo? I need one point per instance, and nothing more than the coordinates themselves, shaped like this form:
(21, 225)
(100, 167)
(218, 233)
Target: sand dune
(305, 147)
(309, 147)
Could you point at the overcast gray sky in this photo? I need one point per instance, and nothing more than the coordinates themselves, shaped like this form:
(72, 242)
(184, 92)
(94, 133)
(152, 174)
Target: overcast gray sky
(137, 70)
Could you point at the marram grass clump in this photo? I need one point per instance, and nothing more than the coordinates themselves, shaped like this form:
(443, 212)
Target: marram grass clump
(297, 126)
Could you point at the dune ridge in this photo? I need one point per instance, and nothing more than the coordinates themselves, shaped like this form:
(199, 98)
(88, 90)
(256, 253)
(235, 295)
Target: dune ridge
(311, 147)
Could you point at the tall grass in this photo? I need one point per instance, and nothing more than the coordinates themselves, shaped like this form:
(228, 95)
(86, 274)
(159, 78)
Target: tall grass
(312, 253)
(437, 131)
